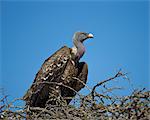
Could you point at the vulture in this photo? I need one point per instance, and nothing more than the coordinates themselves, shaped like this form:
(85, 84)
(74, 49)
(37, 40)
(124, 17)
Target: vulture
(60, 76)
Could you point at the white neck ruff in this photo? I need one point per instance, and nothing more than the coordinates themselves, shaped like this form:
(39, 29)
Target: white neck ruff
(74, 50)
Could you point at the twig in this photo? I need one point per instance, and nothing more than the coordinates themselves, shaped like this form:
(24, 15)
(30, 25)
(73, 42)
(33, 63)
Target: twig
(107, 80)
(82, 83)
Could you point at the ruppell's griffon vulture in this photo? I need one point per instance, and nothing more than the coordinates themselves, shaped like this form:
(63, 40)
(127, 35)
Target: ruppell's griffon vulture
(61, 75)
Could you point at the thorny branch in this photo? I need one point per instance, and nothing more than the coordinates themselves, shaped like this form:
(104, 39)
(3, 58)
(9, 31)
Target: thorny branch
(134, 107)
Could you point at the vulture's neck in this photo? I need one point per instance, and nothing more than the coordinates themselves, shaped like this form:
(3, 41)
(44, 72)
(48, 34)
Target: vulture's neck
(78, 49)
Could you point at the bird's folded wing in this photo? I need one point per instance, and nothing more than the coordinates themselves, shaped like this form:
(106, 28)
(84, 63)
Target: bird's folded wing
(52, 68)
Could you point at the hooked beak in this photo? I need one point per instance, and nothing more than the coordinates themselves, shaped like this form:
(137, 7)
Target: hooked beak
(90, 35)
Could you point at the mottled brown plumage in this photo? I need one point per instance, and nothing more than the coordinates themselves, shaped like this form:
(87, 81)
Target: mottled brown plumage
(61, 76)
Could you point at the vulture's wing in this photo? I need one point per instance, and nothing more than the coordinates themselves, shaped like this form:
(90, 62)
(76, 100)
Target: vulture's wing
(51, 71)
(75, 78)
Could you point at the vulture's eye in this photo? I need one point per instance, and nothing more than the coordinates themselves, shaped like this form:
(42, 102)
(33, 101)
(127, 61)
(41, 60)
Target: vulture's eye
(82, 36)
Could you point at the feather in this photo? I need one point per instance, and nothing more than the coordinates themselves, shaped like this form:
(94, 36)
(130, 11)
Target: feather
(49, 72)
(58, 68)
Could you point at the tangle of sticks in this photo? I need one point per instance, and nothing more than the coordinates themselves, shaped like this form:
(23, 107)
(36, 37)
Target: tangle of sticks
(95, 105)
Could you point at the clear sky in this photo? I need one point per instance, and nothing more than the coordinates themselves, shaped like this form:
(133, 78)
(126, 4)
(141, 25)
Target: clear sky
(32, 31)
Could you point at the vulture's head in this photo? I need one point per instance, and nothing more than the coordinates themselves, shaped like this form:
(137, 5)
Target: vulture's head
(78, 39)
(81, 36)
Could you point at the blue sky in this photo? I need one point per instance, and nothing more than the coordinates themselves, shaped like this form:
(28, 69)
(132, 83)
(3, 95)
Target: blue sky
(32, 31)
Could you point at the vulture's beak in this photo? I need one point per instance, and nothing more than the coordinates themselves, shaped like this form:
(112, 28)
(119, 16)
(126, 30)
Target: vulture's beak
(90, 35)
